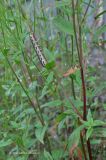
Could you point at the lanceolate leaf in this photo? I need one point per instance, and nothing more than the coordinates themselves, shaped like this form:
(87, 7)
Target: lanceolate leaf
(59, 4)
(49, 78)
(89, 132)
(4, 143)
(99, 31)
(99, 123)
(40, 133)
(89, 116)
(63, 25)
(100, 14)
(61, 117)
(47, 155)
(62, 3)
(75, 137)
(54, 103)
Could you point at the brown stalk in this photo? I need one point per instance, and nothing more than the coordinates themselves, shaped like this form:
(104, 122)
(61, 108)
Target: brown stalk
(80, 56)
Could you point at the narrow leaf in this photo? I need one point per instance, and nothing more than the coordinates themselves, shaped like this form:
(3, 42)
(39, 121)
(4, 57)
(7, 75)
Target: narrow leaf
(49, 78)
(89, 132)
(63, 25)
(47, 155)
(54, 103)
(40, 133)
(4, 143)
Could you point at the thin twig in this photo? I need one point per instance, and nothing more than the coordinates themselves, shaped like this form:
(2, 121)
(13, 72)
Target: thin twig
(86, 11)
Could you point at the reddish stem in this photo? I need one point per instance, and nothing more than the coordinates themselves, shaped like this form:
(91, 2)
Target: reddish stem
(84, 94)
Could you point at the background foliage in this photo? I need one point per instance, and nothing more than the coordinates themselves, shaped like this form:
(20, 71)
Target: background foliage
(41, 108)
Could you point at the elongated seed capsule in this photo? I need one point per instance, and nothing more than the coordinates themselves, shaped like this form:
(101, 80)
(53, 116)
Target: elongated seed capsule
(38, 50)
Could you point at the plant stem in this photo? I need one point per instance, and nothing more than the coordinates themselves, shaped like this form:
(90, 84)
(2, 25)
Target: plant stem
(80, 56)
(84, 90)
(89, 149)
(86, 11)
(72, 60)
(83, 146)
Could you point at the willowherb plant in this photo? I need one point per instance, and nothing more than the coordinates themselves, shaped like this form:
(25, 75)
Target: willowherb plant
(63, 101)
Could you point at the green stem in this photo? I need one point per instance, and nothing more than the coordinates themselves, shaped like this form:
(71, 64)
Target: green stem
(72, 60)
(86, 11)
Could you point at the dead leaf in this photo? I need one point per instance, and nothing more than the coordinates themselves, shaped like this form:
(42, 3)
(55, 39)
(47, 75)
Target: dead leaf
(72, 149)
(79, 153)
(72, 70)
